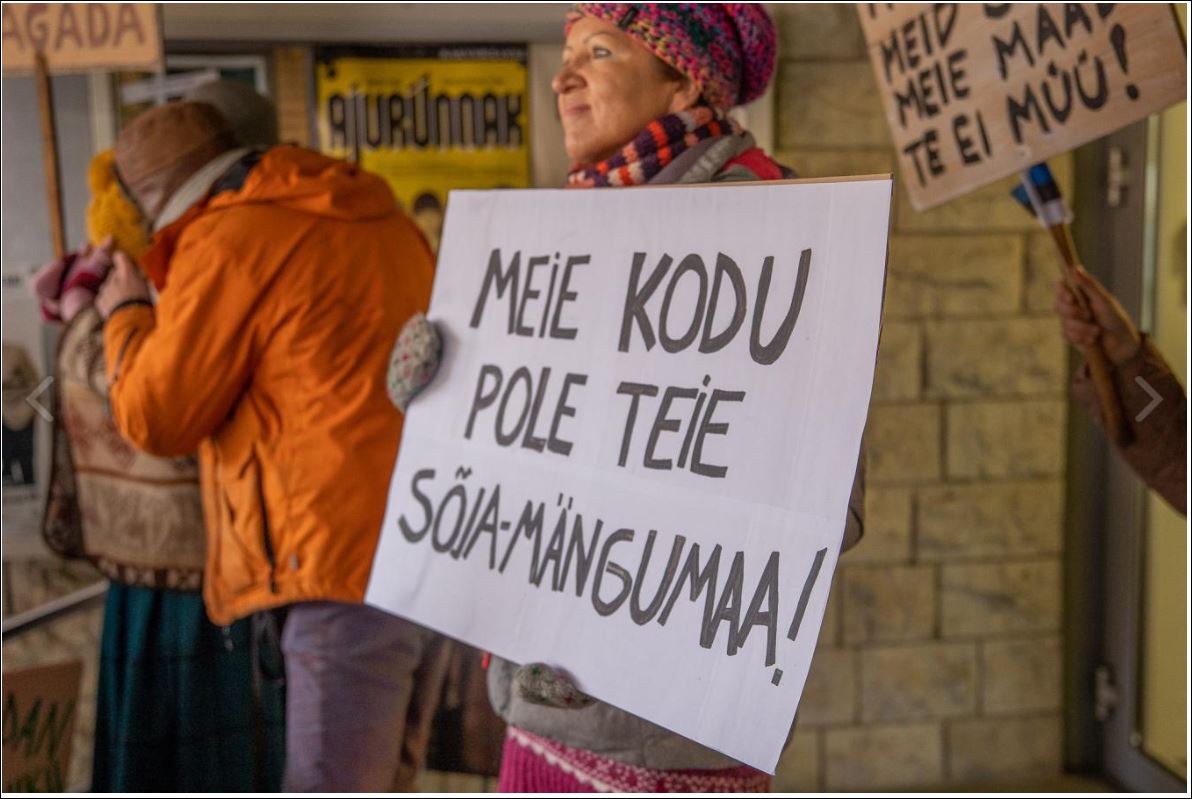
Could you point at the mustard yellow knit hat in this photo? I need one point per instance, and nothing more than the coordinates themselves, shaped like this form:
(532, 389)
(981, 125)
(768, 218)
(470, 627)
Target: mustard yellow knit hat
(110, 212)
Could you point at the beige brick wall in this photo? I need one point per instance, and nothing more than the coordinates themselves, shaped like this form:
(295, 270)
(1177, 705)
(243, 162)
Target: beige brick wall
(291, 92)
(939, 662)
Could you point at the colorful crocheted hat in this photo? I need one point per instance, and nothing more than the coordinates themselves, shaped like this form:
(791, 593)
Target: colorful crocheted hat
(726, 48)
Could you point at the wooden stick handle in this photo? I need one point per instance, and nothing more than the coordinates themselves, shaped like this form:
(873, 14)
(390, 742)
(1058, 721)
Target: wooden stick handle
(49, 154)
(1099, 367)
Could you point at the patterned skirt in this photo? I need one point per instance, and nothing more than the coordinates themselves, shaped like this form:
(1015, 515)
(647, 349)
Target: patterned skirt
(533, 764)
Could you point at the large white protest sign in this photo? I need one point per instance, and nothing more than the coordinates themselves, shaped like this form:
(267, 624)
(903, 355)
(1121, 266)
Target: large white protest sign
(635, 461)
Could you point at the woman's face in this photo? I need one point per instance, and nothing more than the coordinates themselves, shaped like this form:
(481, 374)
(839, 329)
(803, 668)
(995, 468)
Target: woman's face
(610, 88)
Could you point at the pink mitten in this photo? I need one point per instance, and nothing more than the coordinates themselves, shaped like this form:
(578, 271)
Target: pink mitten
(68, 284)
(82, 280)
(47, 286)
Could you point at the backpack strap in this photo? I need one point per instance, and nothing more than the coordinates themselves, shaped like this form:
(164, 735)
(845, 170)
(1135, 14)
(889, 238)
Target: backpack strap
(233, 179)
(756, 161)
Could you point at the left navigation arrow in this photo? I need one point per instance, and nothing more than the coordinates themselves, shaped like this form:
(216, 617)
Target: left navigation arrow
(35, 396)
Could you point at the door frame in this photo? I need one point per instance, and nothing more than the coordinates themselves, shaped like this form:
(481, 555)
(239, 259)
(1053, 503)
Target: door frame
(1106, 502)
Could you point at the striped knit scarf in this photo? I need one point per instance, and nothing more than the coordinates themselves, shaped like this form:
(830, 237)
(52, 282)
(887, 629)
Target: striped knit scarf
(652, 149)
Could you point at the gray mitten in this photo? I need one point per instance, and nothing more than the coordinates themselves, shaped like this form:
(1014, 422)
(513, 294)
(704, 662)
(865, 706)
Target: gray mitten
(414, 359)
(539, 684)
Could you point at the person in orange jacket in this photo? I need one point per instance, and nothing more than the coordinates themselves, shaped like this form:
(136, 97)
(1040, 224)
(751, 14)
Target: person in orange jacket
(283, 277)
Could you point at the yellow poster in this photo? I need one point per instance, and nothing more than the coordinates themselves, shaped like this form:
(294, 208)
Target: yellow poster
(434, 121)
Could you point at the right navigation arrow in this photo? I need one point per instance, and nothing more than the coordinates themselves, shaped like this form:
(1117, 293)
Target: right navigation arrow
(1155, 399)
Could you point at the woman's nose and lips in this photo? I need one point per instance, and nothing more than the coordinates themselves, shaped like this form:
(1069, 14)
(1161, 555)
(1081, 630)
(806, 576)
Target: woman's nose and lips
(609, 88)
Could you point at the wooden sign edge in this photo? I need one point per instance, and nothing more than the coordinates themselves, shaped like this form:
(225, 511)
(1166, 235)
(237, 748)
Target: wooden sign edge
(879, 176)
(874, 177)
(9, 673)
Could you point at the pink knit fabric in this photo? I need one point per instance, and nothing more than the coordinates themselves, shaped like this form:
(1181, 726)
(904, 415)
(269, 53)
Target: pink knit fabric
(69, 284)
(533, 764)
(728, 49)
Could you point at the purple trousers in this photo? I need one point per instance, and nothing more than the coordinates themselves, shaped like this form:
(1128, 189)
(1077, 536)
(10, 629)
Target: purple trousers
(360, 688)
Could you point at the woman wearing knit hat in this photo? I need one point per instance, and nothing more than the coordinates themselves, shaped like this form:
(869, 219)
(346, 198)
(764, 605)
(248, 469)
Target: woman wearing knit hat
(643, 94)
(645, 89)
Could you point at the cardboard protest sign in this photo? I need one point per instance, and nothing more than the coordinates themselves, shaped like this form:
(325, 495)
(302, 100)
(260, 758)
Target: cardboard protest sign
(635, 461)
(39, 718)
(77, 37)
(976, 92)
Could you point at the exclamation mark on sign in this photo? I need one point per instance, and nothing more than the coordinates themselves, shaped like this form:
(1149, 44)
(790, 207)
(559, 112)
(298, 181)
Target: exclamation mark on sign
(797, 621)
(1117, 37)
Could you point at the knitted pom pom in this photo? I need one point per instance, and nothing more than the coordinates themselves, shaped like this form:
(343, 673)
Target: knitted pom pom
(539, 684)
(414, 360)
(759, 41)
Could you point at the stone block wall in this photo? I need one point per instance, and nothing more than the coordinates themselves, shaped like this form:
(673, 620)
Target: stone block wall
(291, 93)
(939, 662)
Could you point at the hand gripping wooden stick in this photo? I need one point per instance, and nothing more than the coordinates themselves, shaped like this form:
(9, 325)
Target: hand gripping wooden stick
(1099, 367)
(1042, 196)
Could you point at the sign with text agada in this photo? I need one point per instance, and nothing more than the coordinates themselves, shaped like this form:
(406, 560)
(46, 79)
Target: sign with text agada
(636, 458)
(77, 37)
(39, 720)
(976, 92)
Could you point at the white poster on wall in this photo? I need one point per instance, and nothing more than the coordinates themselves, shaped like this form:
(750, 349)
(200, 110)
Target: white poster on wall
(635, 461)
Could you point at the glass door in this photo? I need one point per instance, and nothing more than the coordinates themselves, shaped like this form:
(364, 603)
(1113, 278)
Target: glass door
(1127, 694)
(1163, 686)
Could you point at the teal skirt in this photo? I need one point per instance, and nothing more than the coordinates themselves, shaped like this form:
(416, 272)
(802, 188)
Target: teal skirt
(176, 707)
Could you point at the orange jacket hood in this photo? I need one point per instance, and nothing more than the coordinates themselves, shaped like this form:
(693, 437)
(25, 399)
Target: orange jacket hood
(292, 177)
(303, 180)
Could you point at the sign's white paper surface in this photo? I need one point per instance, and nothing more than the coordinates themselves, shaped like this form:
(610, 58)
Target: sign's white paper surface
(534, 514)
